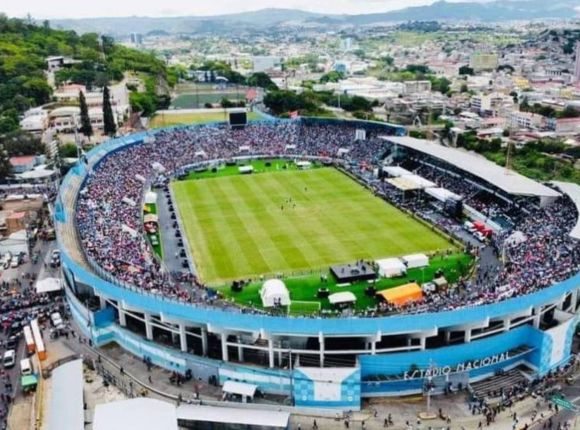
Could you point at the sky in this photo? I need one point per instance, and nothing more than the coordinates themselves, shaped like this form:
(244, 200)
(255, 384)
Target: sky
(41, 9)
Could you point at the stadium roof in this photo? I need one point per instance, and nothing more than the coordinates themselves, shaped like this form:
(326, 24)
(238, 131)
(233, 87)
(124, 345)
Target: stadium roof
(232, 416)
(139, 413)
(512, 183)
(66, 405)
(572, 191)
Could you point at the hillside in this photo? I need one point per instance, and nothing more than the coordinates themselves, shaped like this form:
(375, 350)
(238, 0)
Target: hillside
(500, 10)
(24, 48)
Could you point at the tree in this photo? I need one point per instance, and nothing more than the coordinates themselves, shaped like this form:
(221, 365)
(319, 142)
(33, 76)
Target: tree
(86, 127)
(333, 76)
(262, 80)
(5, 166)
(466, 70)
(108, 119)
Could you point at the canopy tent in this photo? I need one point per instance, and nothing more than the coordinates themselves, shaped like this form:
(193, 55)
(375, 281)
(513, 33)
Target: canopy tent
(403, 184)
(303, 165)
(402, 295)
(341, 298)
(233, 416)
(150, 197)
(396, 171)
(421, 182)
(138, 413)
(245, 169)
(442, 194)
(48, 285)
(391, 267)
(274, 293)
(240, 389)
(416, 260)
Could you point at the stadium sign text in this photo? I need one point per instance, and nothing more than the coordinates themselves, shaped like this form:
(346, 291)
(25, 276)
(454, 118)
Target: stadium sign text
(433, 372)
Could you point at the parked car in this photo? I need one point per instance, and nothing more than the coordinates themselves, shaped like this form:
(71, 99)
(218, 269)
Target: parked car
(9, 358)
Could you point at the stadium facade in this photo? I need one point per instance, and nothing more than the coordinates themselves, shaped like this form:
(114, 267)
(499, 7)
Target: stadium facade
(318, 362)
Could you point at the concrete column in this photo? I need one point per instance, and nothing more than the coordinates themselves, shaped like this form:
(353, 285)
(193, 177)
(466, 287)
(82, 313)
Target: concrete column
(225, 355)
(321, 340)
(122, 318)
(148, 327)
(271, 352)
(537, 317)
(204, 341)
(423, 342)
(373, 347)
(468, 335)
(574, 299)
(507, 324)
(102, 302)
(240, 349)
(182, 338)
(447, 336)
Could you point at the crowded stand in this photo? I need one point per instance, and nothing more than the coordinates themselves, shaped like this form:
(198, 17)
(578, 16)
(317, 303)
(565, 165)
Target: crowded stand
(109, 214)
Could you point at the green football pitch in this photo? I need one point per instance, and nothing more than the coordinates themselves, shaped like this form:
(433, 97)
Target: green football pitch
(243, 226)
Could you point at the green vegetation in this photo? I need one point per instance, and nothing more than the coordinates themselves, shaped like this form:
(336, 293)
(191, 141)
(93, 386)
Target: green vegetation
(303, 289)
(541, 160)
(245, 226)
(260, 166)
(24, 48)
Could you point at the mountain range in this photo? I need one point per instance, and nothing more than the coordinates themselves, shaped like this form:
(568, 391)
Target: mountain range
(494, 11)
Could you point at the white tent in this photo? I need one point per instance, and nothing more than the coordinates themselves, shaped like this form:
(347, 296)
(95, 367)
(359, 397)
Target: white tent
(396, 171)
(442, 194)
(245, 169)
(391, 267)
(151, 197)
(274, 292)
(48, 285)
(340, 298)
(416, 260)
(303, 165)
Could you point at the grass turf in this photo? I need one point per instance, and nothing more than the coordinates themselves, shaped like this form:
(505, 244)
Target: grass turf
(303, 289)
(169, 119)
(237, 228)
(260, 166)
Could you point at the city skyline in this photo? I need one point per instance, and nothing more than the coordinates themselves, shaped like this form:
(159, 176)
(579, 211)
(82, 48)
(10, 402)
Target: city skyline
(110, 8)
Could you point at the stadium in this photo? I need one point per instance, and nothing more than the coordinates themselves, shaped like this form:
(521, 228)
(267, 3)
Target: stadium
(322, 262)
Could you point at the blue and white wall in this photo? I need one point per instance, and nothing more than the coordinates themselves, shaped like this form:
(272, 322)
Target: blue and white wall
(327, 388)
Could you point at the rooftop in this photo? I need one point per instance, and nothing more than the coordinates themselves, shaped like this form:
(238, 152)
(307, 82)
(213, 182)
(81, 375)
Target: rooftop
(510, 182)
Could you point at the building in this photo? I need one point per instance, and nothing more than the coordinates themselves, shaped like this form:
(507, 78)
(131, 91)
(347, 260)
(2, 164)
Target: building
(35, 120)
(481, 61)
(526, 120)
(577, 64)
(265, 63)
(490, 103)
(58, 62)
(23, 163)
(324, 362)
(136, 38)
(413, 87)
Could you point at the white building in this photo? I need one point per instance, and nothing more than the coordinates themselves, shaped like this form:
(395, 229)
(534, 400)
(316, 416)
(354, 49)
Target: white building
(265, 63)
(35, 120)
